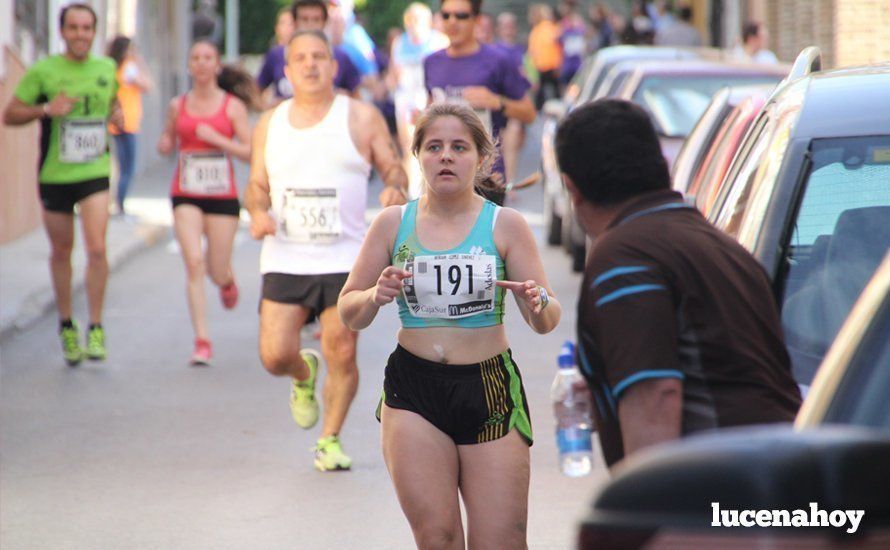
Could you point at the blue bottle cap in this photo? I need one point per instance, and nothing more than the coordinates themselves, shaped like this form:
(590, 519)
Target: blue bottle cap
(566, 357)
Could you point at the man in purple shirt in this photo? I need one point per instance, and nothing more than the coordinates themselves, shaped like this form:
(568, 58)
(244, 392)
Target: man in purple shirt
(513, 136)
(507, 31)
(284, 28)
(307, 15)
(479, 75)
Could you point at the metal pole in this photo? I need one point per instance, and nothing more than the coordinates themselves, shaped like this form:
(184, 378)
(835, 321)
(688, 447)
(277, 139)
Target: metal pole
(232, 30)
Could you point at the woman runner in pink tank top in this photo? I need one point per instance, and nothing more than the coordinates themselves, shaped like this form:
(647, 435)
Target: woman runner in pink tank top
(209, 126)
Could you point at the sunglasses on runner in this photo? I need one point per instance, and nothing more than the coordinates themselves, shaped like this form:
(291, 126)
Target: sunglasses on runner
(459, 15)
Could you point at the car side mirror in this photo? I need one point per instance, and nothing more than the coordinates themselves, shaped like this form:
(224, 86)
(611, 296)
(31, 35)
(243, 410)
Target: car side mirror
(554, 108)
(683, 494)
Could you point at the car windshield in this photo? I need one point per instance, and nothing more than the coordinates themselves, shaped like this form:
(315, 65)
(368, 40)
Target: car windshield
(610, 89)
(676, 102)
(601, 76)
(840, 234)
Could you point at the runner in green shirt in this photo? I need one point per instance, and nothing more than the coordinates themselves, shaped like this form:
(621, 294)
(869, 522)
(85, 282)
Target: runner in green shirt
(73, 95)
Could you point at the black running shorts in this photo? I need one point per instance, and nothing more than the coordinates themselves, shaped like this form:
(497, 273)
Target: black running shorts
(315, 292)
(223, 207)
(61, 197)
(469, 403)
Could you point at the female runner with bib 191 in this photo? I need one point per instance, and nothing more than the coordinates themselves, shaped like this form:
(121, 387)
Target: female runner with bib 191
(454, 416)
(210, 125)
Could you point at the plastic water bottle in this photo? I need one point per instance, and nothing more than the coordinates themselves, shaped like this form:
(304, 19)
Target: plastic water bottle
(572, 409)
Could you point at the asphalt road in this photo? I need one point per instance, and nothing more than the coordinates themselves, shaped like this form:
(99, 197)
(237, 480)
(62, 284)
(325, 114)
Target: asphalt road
(143, 451)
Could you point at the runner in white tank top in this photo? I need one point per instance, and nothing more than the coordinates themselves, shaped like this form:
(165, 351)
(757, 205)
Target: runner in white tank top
(312, 157)
(318, 182)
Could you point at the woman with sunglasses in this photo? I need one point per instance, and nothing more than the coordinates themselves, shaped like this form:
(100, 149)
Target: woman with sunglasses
(478, 75)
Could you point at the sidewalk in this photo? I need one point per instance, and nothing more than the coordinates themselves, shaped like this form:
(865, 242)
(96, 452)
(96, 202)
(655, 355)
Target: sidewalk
(26, 292)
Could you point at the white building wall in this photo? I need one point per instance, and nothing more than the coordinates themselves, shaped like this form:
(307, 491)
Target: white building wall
(7, 19)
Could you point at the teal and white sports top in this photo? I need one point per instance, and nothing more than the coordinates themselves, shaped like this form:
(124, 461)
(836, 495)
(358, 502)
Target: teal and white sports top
(455, 287)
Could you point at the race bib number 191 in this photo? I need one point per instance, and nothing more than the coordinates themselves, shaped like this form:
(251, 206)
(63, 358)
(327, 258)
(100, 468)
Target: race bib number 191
(311, 215)
(450, 286)
(82, 140)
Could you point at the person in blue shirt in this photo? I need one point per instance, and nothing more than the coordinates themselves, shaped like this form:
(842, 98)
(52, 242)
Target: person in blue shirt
(356, 42)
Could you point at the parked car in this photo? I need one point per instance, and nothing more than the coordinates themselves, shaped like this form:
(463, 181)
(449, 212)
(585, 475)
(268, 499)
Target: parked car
(582, 90)
(670, 496)
(702, 191)
(704, 134)
(836, 457)
(676, 93)
(807, 194)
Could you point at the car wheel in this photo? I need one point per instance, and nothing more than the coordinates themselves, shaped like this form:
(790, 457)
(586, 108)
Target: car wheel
(579, 256)
(565, 231)
(554, 225)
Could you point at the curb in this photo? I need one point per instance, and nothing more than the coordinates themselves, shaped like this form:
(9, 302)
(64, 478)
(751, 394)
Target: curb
(42, 300)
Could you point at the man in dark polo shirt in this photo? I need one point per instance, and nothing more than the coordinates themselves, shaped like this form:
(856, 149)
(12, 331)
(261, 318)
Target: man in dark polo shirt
(677, 327)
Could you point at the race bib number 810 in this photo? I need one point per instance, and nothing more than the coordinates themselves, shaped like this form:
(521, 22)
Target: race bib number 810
(205, 173)
(450, 286)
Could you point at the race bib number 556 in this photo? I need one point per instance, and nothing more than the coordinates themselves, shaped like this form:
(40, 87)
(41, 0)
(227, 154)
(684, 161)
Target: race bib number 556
(311, 215)
(450, 286)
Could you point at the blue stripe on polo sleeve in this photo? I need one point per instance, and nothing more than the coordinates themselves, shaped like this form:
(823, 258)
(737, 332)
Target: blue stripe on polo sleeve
(617, 271)
(644, 375)
(627, 291)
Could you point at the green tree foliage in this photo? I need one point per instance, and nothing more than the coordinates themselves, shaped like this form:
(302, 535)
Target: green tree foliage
(378, 16)
(257, 20)
(257, 23)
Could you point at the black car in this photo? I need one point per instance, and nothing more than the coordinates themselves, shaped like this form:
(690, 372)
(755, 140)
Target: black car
(808, 193)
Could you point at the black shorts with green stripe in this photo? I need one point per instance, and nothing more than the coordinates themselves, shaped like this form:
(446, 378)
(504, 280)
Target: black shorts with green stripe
(469, 403)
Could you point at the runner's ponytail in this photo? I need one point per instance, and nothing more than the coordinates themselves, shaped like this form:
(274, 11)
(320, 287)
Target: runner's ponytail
(240, 84)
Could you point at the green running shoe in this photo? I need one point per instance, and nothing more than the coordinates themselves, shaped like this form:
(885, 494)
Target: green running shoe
(329, 455)
(70, 347)
(303, 406)
(96, 344)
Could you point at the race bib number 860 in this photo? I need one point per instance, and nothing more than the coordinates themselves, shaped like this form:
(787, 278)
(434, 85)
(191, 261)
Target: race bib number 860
(82, 140)
(450, 286)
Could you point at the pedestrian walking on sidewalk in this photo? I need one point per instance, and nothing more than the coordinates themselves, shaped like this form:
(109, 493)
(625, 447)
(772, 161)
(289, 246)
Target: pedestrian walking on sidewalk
(307, 196)
(754, 47)
(208, 125)
(454, 417)
(133, 79)
(74, 96)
